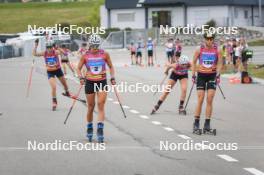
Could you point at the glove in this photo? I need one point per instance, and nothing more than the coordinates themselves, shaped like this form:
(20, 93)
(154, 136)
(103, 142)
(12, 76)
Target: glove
(113, 82)
(194, 79)
(82, 80)
(217, 79)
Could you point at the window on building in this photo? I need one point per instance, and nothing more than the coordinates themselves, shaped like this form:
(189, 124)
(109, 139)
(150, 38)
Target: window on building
(161, 18)
(246, 14)
(236, 13)
(126, 17)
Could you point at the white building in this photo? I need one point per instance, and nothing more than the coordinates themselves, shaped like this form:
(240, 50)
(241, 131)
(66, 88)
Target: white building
(153, 13)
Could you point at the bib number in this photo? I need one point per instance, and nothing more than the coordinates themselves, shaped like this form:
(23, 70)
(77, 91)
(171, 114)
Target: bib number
(149, 47)
(51, 62)
(96, 69)
(208, 60)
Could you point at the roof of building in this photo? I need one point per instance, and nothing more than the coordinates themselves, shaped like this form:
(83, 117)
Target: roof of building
(126, 4)
(200, 2)
(121, 4)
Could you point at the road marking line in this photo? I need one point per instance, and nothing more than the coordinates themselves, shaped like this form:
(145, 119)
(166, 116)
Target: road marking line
(126, 107)
(144, 116)
(184, 136)
(116, 102)
(109, 99)
(12, 148)
(227, 158)
(254, 171)
(134, 111)
(168, 129)
(156, 122)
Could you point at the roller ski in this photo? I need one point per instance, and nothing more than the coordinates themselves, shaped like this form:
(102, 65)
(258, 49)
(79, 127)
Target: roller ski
(54, 104)
(207, 129)
(196, 128)
(156, 107)
(182, 111)
(100, 133)
(90, 132)
(67, 94)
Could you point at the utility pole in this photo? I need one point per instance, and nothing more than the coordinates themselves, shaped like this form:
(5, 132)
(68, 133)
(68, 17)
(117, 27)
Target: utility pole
(260, 12)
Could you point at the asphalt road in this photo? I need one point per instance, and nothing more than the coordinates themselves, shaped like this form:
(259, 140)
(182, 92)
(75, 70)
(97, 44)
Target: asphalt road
(132, 144)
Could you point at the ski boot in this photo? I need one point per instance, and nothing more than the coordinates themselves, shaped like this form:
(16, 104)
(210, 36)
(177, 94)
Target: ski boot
(156, 107)
(182, 111)
(196, 127)
(54, 104)
(66, 93)
(207, 129)
(90, 132)
(100, 132)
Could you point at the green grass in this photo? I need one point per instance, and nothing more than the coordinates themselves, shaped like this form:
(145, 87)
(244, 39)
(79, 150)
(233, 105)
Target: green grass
(259, 73)
(15, 17)
(253, 71)
(256, 43)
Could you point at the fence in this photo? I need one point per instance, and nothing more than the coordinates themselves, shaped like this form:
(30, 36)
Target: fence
(8, 51)
(121, 39)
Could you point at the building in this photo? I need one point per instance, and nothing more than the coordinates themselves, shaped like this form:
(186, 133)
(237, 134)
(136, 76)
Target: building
(153, 13)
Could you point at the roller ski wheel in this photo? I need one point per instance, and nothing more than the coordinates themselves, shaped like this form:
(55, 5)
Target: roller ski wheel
(196, 129)
(54, 104)
(100, 133)
(182, 111)
(90, 132)
(209, 131)
(156, 108)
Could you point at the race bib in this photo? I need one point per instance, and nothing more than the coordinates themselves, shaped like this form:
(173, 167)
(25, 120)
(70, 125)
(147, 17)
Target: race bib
(208, 60)
(150, 47)
(51, 61)
(96, 69)
(96, 66)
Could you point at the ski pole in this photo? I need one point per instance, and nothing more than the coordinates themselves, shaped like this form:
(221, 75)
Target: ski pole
(30, 77)
(155, 54)
(221, 91)
(118, 99)
(73, 103)
(189, 96)
(161, 83)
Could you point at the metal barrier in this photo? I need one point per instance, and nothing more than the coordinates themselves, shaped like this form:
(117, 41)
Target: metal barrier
(121, 39)
(8, 51)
